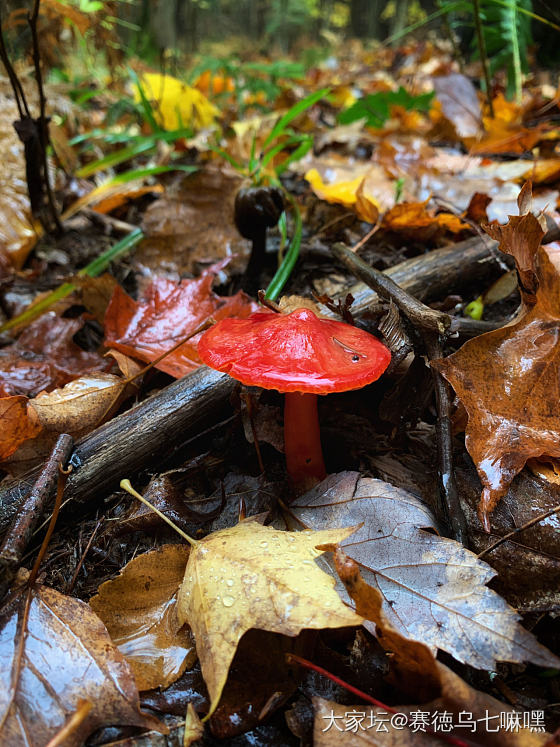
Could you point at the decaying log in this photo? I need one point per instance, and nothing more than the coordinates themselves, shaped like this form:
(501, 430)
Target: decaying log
(134, 440)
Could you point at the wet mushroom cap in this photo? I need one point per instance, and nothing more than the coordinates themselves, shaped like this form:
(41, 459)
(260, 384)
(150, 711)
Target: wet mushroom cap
(297, 352)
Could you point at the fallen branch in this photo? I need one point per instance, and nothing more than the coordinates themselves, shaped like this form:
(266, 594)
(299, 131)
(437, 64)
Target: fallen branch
(133, 441)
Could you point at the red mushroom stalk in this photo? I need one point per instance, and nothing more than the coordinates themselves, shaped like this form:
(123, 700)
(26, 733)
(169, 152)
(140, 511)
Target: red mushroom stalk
(301, 355)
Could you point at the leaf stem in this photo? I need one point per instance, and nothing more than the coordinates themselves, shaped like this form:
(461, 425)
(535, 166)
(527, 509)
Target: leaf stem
(125, 485)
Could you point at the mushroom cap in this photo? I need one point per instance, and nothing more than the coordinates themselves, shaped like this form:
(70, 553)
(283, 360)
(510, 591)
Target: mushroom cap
(297, 352)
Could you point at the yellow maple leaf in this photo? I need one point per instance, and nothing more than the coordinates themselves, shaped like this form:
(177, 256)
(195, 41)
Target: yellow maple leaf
(251, 576)
(175, 104)
(343, 192)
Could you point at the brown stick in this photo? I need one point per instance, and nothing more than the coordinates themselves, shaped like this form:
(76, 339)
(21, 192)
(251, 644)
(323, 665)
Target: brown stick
(135, 440)
(28, 515)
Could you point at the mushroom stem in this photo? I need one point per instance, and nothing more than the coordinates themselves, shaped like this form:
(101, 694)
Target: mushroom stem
(302, 441)
(256, 261)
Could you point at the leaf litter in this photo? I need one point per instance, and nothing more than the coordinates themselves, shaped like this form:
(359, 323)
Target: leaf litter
(404, 180)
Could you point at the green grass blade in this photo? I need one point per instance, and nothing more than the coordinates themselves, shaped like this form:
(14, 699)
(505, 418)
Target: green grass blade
(288, 263)
(294, 112)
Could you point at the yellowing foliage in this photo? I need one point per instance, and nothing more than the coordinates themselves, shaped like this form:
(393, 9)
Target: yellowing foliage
(175, 104)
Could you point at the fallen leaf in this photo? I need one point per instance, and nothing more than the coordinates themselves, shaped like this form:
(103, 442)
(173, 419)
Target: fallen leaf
(170, 312)
(433, 588)
(45, 356)
(459, 103)
(192, 225)
(193, 727)
(138, 607)
(250, 576)
(81, 405)
(66, 657)
(176, 104)
(521, 237)
(414, 220)
(507, 379)
(17, 425)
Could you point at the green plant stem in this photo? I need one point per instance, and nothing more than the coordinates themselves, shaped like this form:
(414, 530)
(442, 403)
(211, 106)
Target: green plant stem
(516, 58)
(288, 263)
(93, 269)
(482, 52)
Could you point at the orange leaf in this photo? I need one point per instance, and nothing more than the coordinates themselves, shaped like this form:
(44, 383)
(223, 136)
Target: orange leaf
(17, 425)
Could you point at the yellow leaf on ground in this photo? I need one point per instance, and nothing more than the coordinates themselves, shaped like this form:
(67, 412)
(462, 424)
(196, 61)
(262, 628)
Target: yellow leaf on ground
(175, 104)
(251, 576)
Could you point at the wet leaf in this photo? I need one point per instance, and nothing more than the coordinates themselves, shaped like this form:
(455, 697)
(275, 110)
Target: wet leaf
(45, 356)
(434, 590)
(66, 657)
(17, 425)
(252, 576)
(139, 609)
(170, 313)
(507, 379)
(81, 405)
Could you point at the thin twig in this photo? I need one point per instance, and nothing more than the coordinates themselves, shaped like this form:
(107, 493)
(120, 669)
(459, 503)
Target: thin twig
(17, 88)
(506, 537)
(19, 534)
(433, 326)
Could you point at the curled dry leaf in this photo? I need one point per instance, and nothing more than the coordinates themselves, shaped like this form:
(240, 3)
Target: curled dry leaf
(66, 658)
(18, 425)
(433, 588)
(139, 609)
(170, 313)
(81, 405)
(251, 576)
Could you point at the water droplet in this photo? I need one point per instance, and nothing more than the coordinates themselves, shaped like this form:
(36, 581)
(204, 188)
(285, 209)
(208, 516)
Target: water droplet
(264, 543)
(228, 601)
(307, 562)
(290, 538)
(229, 582)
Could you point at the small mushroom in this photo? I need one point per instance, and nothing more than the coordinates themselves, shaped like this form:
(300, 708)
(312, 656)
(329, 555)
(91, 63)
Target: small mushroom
(255, 210)
(303, 356)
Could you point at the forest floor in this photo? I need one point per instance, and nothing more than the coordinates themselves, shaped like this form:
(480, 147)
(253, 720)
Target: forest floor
(413, 213)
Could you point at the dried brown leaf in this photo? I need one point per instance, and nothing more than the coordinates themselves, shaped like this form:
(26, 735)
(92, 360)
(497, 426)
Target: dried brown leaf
(17, 425)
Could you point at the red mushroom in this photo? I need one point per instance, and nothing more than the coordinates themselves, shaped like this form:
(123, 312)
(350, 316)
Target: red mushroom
(303, 356)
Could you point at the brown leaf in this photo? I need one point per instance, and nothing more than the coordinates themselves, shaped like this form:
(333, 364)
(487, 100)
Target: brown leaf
(251, 576)
(17, 425)
(45, 356)
(521, 238)
(507, 380)
(81, 405)
(139, 609)
(192, 225)
(433, 588)
(66, 657)
(170, 312)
